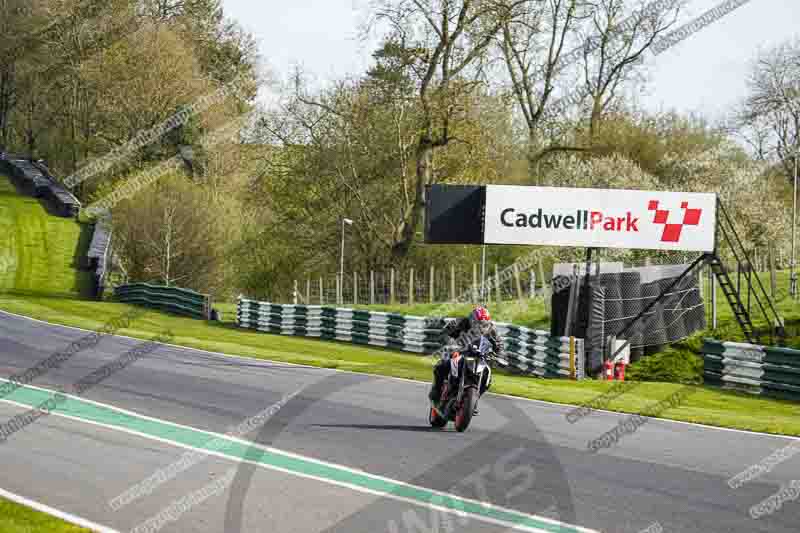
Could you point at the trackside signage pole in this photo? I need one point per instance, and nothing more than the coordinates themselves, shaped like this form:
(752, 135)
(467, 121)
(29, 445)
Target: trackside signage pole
(576, 316)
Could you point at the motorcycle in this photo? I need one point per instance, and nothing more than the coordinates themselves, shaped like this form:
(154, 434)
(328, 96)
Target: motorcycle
(461, 389)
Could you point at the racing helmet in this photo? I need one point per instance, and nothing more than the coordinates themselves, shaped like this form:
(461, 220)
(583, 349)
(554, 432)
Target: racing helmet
(481, 319)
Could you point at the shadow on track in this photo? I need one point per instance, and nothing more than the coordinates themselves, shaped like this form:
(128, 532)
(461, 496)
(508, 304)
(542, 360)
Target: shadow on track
(424, 429)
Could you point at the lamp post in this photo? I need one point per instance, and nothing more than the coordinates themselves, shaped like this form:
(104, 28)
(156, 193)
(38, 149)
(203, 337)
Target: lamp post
(793, 264)
(341, 261)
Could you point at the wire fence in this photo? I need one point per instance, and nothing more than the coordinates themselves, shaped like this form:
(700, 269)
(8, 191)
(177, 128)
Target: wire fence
(463, 282)
(414, 286)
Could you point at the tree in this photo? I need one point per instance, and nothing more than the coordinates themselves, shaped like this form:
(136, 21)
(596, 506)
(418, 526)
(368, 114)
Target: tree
(224, 50)
(128, 100)
(770, 115)
(165, 234)
(21, 29)
(349, 152)
(532, 44)
(441, 47)
(615, 48)
(609, 49)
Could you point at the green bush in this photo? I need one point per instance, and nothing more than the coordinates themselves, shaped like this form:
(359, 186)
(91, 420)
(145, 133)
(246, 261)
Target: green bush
(679, 363)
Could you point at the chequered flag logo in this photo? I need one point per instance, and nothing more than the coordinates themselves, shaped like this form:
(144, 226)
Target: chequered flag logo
(672, 231)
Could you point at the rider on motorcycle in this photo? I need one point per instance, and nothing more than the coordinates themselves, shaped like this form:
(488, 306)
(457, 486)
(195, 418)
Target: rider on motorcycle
(469, 331)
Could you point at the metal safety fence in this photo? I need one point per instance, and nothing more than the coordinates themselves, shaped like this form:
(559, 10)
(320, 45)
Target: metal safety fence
(35, 179)
(98, 256)
(391, 330)
(537, 352)
(755, 369)
(172, 299)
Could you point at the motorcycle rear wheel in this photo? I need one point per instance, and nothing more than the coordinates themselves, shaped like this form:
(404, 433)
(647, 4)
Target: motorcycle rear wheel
(464, 415)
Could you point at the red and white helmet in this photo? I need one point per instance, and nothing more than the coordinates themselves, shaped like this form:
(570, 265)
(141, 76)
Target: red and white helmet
(481, 319)
(481, 314)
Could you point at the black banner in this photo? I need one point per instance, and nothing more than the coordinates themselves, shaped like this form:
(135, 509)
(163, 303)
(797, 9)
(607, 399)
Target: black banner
(454, 214)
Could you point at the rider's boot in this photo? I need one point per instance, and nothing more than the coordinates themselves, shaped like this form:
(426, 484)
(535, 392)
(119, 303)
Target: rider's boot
(436, 390)
(434, 394)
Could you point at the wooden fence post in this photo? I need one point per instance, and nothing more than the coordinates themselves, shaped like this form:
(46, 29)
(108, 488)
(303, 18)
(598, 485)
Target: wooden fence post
(497, 282)
(321, 292)
(294, 293)
(371, 287)
(411, 287)
(338, 289)
(391, 288)
(355, 288)
(433, 287)
(533, 284)
(772, 279)
(542, 278)
(452, 283)
(519, 284)
(474, 278)
(308, 291)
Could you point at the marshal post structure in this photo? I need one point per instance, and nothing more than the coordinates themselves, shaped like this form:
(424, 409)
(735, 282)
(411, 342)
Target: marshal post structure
(606, 218)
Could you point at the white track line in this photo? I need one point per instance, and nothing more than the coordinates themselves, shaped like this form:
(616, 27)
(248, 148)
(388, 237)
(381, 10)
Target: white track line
(317, 368)
(63, 515)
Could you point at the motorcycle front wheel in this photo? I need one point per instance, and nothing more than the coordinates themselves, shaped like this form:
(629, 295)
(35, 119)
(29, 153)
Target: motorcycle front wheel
(464, 415)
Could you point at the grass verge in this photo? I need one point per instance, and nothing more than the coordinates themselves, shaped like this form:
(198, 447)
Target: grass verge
(39, 252)
(16, 518)
(708, 406)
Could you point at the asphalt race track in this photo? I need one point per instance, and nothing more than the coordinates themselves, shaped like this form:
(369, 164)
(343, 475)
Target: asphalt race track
(342, 452)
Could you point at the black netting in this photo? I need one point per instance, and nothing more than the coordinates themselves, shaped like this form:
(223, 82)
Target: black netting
(626, 293)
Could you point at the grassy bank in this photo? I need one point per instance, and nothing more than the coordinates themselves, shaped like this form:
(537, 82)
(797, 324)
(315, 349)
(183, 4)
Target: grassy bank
(708, 405)
(39, 252)
(16, 518)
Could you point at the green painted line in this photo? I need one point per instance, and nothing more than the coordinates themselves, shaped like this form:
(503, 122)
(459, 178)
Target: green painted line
(238, 451)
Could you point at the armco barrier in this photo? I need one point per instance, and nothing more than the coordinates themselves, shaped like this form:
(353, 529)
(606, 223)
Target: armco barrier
(99, 250)
(406, 333)
(527, 351)
(536, 352)
(35, 179)
(761, 370)
(171, 299)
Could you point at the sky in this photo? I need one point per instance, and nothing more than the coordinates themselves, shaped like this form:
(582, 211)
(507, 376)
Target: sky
(704, 74)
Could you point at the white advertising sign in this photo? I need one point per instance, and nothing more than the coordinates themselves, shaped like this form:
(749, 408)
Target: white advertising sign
(600, 218)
